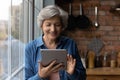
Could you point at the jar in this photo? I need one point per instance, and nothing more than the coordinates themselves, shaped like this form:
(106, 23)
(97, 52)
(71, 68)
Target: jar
(118, 59)
(91, 59)
(98, 62)
(113, 59)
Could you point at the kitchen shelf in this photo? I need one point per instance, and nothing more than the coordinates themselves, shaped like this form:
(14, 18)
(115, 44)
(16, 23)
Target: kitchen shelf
(105, 73)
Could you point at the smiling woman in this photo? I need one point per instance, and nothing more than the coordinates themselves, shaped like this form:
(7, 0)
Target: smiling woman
(16, 18)
(52, 21)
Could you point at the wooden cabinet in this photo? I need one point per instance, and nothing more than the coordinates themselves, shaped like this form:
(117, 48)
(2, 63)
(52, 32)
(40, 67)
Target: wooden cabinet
(103, 74)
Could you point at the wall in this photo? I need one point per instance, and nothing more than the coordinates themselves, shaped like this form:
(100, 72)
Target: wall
(108, 31)
(48, 2)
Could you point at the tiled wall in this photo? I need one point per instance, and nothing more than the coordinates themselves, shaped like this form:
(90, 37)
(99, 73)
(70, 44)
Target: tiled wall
(109, 29)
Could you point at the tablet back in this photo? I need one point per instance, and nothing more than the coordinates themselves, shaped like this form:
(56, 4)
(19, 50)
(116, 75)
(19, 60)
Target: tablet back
(49, 55)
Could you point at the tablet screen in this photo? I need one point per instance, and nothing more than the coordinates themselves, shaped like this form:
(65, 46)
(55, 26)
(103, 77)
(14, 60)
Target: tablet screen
(49, 55)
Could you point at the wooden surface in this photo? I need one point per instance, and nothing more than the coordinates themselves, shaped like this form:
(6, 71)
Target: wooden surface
(103, 71)
(103, 74)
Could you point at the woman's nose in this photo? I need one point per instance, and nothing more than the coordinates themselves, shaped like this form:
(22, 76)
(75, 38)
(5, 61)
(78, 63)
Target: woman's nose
(53, 28)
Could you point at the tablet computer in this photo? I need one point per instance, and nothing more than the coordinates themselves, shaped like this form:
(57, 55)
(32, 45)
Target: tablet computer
(49, 55)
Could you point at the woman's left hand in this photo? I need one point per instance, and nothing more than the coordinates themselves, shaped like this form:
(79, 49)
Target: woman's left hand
(70, 64)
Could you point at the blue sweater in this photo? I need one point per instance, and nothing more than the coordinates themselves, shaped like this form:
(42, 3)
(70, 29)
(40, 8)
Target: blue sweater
(32, 55)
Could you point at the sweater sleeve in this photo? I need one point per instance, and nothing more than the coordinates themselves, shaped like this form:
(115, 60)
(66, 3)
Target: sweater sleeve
(29, 66)
(80, 71)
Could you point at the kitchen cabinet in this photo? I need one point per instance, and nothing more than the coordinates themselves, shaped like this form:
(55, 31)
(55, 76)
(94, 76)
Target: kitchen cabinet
(106, 73)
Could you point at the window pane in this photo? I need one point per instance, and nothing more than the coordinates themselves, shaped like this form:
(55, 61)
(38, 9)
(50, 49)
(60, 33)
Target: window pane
(15, 31)
(4, 19)
(11, 40)
(38, 7)
(17, 41)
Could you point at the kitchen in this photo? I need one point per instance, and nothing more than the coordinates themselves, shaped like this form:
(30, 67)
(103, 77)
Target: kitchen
(101, 39)
(93, 24)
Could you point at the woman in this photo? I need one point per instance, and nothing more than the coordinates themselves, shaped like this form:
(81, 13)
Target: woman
(52, 20)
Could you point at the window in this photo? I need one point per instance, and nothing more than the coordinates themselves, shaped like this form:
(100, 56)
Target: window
(12, 41)
(37, 7)
(15, 32)
(18, 26)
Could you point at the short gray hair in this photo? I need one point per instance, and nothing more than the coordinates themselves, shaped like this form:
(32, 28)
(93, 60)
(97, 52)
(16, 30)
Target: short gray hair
(50, 11)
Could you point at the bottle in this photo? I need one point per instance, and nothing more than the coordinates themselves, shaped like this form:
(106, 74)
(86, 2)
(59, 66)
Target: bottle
(113, 59)
(91, 59)
(98, 62)
(118, 60)
(104, 63)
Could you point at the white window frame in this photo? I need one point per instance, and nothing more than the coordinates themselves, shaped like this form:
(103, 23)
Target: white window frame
(28, 9)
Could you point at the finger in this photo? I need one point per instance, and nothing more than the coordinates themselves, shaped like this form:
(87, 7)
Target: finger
(74, 61)
(68, 57)
(52, 64)
(71, 59)
(57, 67)
(56, 70)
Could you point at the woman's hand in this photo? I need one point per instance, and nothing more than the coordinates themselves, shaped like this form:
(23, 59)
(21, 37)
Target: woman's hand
(48, 70)
(70, 64)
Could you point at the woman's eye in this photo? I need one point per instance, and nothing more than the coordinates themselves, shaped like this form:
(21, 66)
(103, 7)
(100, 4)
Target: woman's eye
(48, 24)
(58, 25)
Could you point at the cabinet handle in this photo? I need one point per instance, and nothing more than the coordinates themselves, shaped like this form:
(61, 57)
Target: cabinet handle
(104, 79)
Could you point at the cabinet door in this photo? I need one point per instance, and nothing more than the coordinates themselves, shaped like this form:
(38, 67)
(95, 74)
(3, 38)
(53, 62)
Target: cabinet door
(103, 77)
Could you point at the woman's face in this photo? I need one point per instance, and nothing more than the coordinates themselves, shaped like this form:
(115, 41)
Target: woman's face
(52, 27)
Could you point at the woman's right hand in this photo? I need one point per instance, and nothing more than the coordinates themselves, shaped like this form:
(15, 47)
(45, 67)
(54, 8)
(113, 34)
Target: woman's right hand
(45, 71)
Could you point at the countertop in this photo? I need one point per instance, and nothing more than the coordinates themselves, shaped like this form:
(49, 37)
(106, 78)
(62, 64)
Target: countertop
(103, 71)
